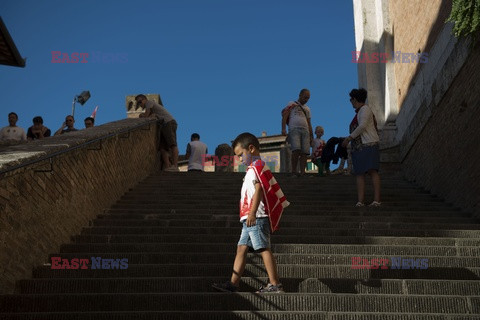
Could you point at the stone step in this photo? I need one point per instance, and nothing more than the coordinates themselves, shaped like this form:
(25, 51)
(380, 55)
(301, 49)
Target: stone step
(281, 258)
(291, 224)
(351, 249)
(291, 285)
(284, 271)
(284, 181)
(343, 231)
(235, 315)
(302, 212)
(240, 301)
(318, 206)
(317, 203)
(286, 219)
(293, 191)
(296, 195)
(181, 194)
(303, 236)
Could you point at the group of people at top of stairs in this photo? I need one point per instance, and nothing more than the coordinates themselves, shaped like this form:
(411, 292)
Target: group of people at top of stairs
(360, 148)
(362, 145)
(13, 134)
(261, 199)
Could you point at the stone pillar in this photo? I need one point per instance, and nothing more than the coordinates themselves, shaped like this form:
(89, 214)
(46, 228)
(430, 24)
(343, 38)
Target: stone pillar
(224, 150)
(374, 34)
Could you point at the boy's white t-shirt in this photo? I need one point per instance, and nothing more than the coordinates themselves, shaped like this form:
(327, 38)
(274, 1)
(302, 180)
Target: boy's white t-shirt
(248, 190)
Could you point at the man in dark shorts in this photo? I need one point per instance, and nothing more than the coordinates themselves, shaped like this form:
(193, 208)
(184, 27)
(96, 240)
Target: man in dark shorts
(168, 131)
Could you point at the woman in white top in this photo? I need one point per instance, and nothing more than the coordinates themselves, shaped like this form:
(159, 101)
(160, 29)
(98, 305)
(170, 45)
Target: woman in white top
(365, 152)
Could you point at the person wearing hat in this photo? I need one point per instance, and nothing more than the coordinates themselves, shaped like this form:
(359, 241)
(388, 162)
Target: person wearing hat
(38, 130)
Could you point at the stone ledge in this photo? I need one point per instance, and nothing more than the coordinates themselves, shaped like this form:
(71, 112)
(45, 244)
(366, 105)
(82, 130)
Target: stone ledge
(25, 153)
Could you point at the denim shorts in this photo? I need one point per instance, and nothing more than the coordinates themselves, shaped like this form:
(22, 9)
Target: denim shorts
(257, 236)
(299, 139)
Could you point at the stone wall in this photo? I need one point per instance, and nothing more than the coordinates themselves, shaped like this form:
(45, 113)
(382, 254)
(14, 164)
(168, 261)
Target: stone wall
(43, 204)
(430, 109)
(416, 24)
(443, 157)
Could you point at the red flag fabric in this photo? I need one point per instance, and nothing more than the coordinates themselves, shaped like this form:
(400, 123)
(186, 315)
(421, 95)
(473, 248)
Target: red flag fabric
(94, 113)
(273, 197)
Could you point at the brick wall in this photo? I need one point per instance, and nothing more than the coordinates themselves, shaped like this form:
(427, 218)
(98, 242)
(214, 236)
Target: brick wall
(416, 26)
(41, 210)
(444, 157)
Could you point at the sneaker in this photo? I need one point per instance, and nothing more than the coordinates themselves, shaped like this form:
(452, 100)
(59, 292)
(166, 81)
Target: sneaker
(360, 204)
(375, 204)
(172, 169)
(225, 287)
(271, 288)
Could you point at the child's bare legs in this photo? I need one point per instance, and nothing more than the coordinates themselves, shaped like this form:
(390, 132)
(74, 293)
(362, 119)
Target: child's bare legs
(239, 265)
(271, 266)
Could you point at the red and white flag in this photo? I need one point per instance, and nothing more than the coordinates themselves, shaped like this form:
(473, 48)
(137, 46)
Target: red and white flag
(94, 113)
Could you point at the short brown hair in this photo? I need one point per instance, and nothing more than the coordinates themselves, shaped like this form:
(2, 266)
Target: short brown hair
(246, 139)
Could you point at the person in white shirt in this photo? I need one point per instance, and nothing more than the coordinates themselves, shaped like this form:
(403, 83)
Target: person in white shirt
(196, 153)
(365, 146)
(300, 134)
(12, 134)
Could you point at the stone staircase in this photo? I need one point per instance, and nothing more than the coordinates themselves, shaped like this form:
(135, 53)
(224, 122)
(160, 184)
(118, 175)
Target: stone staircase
(179, 233)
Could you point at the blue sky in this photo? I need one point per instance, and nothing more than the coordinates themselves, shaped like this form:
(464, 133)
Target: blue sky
(222, 67)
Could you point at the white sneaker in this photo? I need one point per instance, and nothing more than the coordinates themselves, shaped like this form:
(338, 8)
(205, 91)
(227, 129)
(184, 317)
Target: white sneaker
(360, 204)
(375, 204)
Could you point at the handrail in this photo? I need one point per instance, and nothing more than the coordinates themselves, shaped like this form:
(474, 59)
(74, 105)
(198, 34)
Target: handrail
(48, 156)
